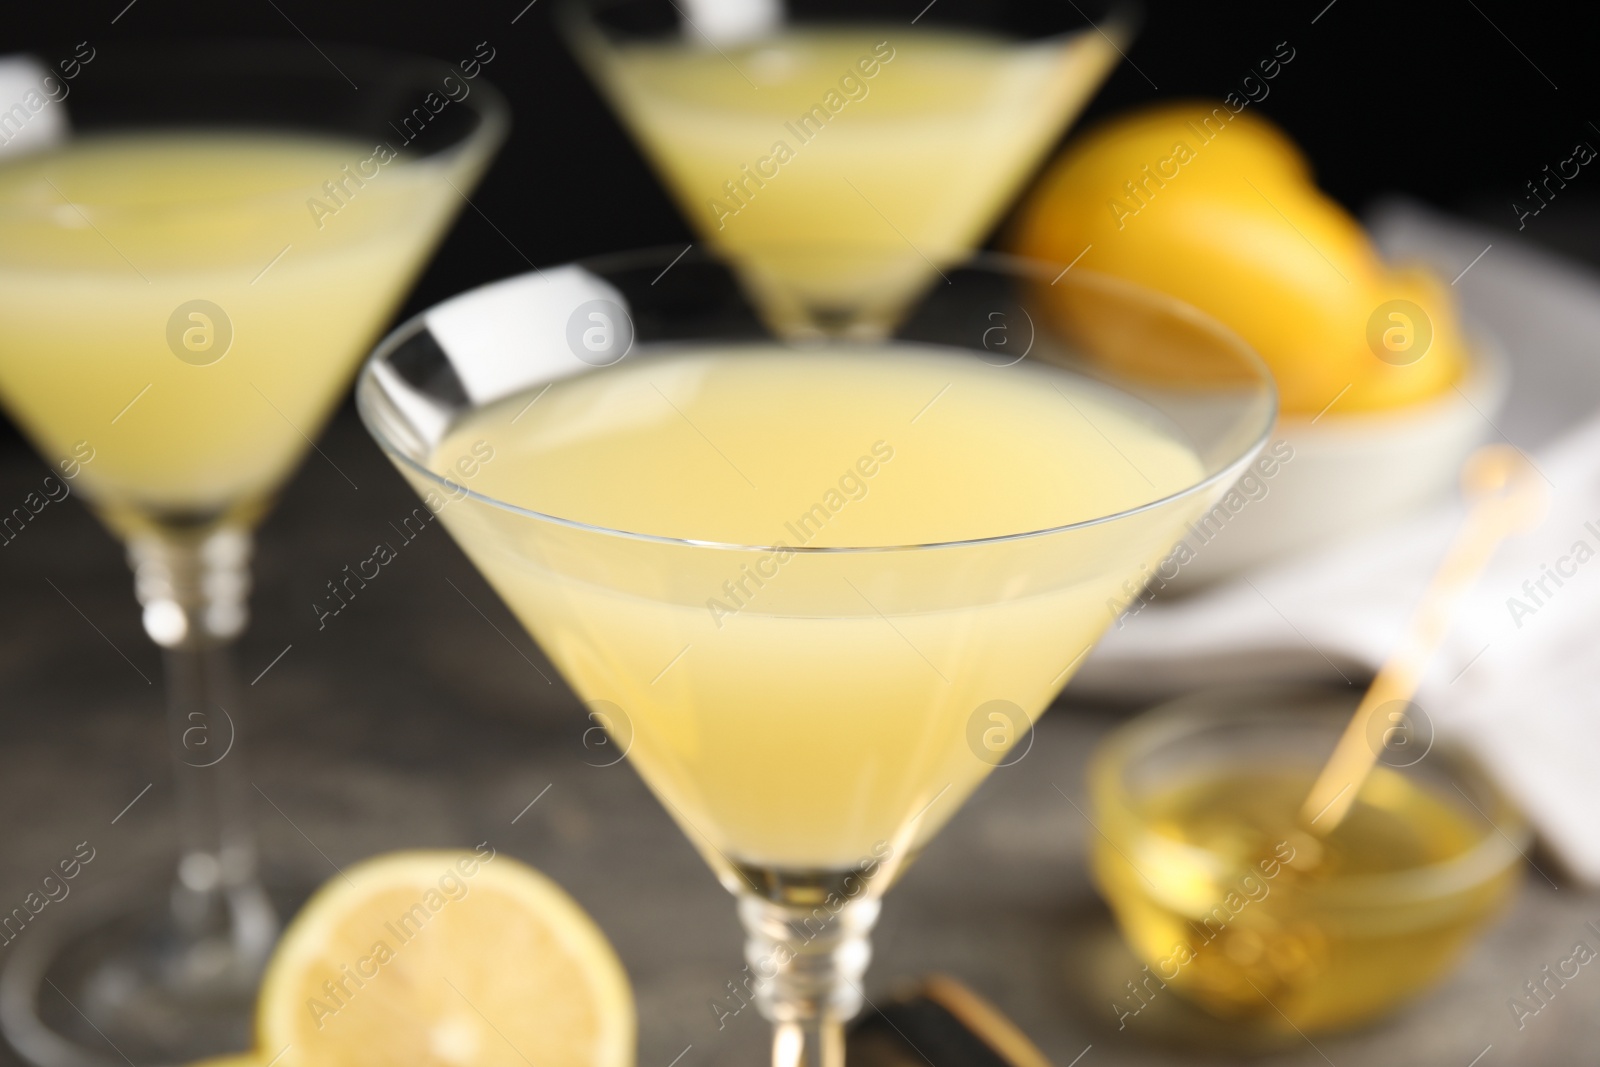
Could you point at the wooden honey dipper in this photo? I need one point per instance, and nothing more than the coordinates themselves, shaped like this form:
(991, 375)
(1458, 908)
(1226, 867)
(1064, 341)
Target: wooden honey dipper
(1506, 496)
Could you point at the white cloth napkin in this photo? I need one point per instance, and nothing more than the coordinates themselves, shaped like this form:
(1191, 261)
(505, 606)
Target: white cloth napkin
(1518, 679)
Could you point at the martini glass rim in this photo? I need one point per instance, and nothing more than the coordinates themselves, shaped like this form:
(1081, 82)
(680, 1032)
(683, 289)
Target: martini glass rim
(575, 18)
(992, 262)
(280, 58)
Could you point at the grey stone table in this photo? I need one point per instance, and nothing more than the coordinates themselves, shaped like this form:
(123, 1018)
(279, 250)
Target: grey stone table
(421, 715)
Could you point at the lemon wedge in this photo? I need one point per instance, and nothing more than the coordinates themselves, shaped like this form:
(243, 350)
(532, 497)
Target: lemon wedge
(444, 959)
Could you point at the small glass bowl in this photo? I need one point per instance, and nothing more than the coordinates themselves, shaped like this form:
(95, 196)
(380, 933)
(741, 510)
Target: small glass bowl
(1260, 922)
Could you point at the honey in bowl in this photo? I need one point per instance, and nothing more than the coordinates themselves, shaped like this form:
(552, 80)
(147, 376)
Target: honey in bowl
(1234, 906)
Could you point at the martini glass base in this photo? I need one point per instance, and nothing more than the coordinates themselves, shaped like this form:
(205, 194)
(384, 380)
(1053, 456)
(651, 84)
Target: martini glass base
(124, 982)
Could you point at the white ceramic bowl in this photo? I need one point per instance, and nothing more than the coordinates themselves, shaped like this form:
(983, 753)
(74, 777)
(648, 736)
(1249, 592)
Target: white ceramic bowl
(1325, 479)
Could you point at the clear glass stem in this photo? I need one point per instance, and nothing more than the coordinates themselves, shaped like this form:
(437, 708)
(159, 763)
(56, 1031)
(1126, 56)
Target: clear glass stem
(194, 589)
(811, 1043)
(808, 963)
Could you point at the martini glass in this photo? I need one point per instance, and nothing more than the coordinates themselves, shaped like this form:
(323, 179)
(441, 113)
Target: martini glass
(789, 132)
(816, 589)
(188, 279)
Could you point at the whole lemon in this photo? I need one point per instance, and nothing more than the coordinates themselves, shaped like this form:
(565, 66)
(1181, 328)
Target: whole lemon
(1414, 333)
(1219, 210)
(1204, 142)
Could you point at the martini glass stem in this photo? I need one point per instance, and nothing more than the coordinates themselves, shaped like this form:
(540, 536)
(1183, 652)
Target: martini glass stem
(193, 588)
(809, 1043)
(808, 962)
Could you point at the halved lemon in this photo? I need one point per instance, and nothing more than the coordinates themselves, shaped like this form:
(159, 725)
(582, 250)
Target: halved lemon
(445, 959)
